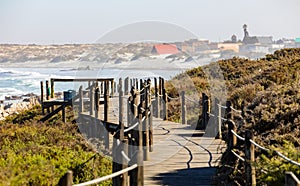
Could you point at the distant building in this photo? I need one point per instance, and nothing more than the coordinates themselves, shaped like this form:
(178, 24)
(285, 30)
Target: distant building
(235, 47)
(165, 49)
(193, 45)
(264, 40)
(255, 48)
(255, 44)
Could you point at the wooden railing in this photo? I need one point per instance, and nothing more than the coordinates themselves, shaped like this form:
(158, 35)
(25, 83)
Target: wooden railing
(249, 146)
(132, 143)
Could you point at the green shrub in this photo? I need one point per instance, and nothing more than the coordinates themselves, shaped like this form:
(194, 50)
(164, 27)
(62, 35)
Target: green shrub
(35, 153)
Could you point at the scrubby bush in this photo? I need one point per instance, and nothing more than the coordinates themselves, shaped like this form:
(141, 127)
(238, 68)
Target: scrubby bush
(35, 153)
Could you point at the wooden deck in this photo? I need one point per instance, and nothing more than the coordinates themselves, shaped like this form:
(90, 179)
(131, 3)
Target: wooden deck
(181, 155)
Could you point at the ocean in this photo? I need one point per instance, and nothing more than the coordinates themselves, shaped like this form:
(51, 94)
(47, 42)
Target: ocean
(21, 81)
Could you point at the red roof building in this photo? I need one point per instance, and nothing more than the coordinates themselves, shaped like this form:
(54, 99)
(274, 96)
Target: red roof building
(165, 49)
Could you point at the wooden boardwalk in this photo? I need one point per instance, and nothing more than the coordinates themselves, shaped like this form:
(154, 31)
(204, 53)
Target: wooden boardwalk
(181, 155)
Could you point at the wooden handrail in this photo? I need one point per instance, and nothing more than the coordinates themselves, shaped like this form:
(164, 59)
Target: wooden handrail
(98, 180)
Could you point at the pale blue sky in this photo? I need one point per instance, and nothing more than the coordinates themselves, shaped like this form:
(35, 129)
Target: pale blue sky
(85, 21)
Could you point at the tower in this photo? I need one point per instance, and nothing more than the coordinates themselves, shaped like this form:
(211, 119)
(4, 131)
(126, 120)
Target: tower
(246, 34)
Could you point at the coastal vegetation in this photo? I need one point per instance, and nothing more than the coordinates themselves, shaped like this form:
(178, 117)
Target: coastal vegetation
(35, 153)
(269, 88)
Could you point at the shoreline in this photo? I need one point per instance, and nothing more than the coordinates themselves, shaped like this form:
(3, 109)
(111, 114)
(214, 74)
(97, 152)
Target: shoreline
(17, 104)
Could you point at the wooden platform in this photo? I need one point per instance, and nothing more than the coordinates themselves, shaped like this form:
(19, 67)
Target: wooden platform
(181, 156)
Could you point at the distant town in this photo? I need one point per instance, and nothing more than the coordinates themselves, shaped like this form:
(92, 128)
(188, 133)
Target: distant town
(251, 47)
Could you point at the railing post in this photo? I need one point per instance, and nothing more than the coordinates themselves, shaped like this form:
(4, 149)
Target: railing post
(92, 104)
(157, 99)
(112, 87)
(67, 179)
(52, 87)
(146, 122)
(228, 110)
(205, 109)
(116, 153)
(47, 95)
(121, 115)
(243, 109)
(106, 107)
(291, 179)
(151, 129)
(160, 91)
(183, 108)
(81, 104)
(124, 178)
(42, 97)
(165, 99)
(126, 85)
(97, 101)
(47, 90)
(218, 113)
(136, 102)
(249, 159)
(231, 137)
(140, 168)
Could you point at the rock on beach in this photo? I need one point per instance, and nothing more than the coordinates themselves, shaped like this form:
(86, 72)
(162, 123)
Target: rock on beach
(15, 104)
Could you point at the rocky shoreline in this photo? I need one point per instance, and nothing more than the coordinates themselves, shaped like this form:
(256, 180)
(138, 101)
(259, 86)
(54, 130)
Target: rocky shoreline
(15, 104)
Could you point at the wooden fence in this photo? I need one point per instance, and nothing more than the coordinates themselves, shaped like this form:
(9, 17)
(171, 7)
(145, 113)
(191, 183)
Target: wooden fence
(132, 143)
(249, 146)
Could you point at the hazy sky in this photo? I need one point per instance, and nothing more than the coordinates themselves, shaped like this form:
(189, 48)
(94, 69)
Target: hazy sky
(85, 21)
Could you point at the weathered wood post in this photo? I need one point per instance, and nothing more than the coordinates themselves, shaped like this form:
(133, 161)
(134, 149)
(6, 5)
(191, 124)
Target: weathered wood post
(249, 159)
(81, 104)
(101, 88)
(125, 178)
(140, 158)
(228, 111)
(67, 179)
(205, 109)
(97, 101)
(156, 108)
(92, 99)
(151, 129)
(291, 179)
(99, 127)
(165, 99)
(121, 110)
(146, 122)
(117, 149)
(126, 85)
(116, 153)
(136, 83)
(112, 87)
(160, 92)
(137, 175)
(136, 103)
(106, 107)
(52, 87)
(183, 108)
(218, 118)
(243, 109)
(47, 90)
(231, 137)
(42, 97)
(47, 95)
